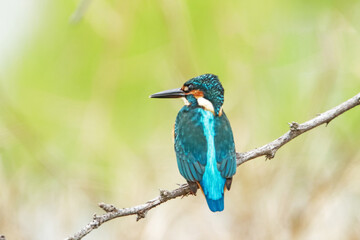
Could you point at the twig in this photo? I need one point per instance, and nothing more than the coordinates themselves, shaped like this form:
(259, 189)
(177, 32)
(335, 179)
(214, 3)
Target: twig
(267, 150)
(297, 129)
(80, 11)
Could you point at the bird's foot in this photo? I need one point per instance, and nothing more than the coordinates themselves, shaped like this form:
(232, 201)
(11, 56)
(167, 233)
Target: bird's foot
(193, 187)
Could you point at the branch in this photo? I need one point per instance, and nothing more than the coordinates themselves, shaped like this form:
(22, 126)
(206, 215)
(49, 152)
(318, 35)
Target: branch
(79, 12)
(267, 150)
(297, 129)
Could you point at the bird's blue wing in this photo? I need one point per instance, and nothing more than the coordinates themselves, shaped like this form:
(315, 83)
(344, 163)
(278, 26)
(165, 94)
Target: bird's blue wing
(225, 147)
(190, 144)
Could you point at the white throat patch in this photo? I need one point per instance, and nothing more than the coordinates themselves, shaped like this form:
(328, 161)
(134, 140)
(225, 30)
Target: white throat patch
(186, 102)
(206, 104)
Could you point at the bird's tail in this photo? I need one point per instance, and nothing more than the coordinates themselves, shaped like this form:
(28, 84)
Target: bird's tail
(215, 205)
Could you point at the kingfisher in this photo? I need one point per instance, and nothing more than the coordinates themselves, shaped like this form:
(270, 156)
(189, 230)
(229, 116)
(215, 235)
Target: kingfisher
(204, 142)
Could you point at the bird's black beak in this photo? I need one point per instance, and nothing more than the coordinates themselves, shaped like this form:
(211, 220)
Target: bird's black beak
(173, 93)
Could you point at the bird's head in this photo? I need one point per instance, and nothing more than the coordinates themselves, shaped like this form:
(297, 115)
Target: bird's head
(205, 91)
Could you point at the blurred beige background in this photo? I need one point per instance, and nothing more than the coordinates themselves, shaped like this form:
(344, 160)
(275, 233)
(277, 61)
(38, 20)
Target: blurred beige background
(77, 126)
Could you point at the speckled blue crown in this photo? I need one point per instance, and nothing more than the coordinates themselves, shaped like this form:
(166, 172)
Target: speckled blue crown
(210, 85)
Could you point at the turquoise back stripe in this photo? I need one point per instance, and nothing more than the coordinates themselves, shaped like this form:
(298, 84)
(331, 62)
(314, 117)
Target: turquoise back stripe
(212, 182)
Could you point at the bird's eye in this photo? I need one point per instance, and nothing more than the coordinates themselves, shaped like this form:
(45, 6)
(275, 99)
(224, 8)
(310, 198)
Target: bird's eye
(188, 88)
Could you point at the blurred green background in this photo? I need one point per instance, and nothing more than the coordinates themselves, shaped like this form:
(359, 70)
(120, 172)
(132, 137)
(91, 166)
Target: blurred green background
(77, 126)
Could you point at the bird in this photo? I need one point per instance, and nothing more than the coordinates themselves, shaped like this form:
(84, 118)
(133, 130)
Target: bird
(203, 138)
